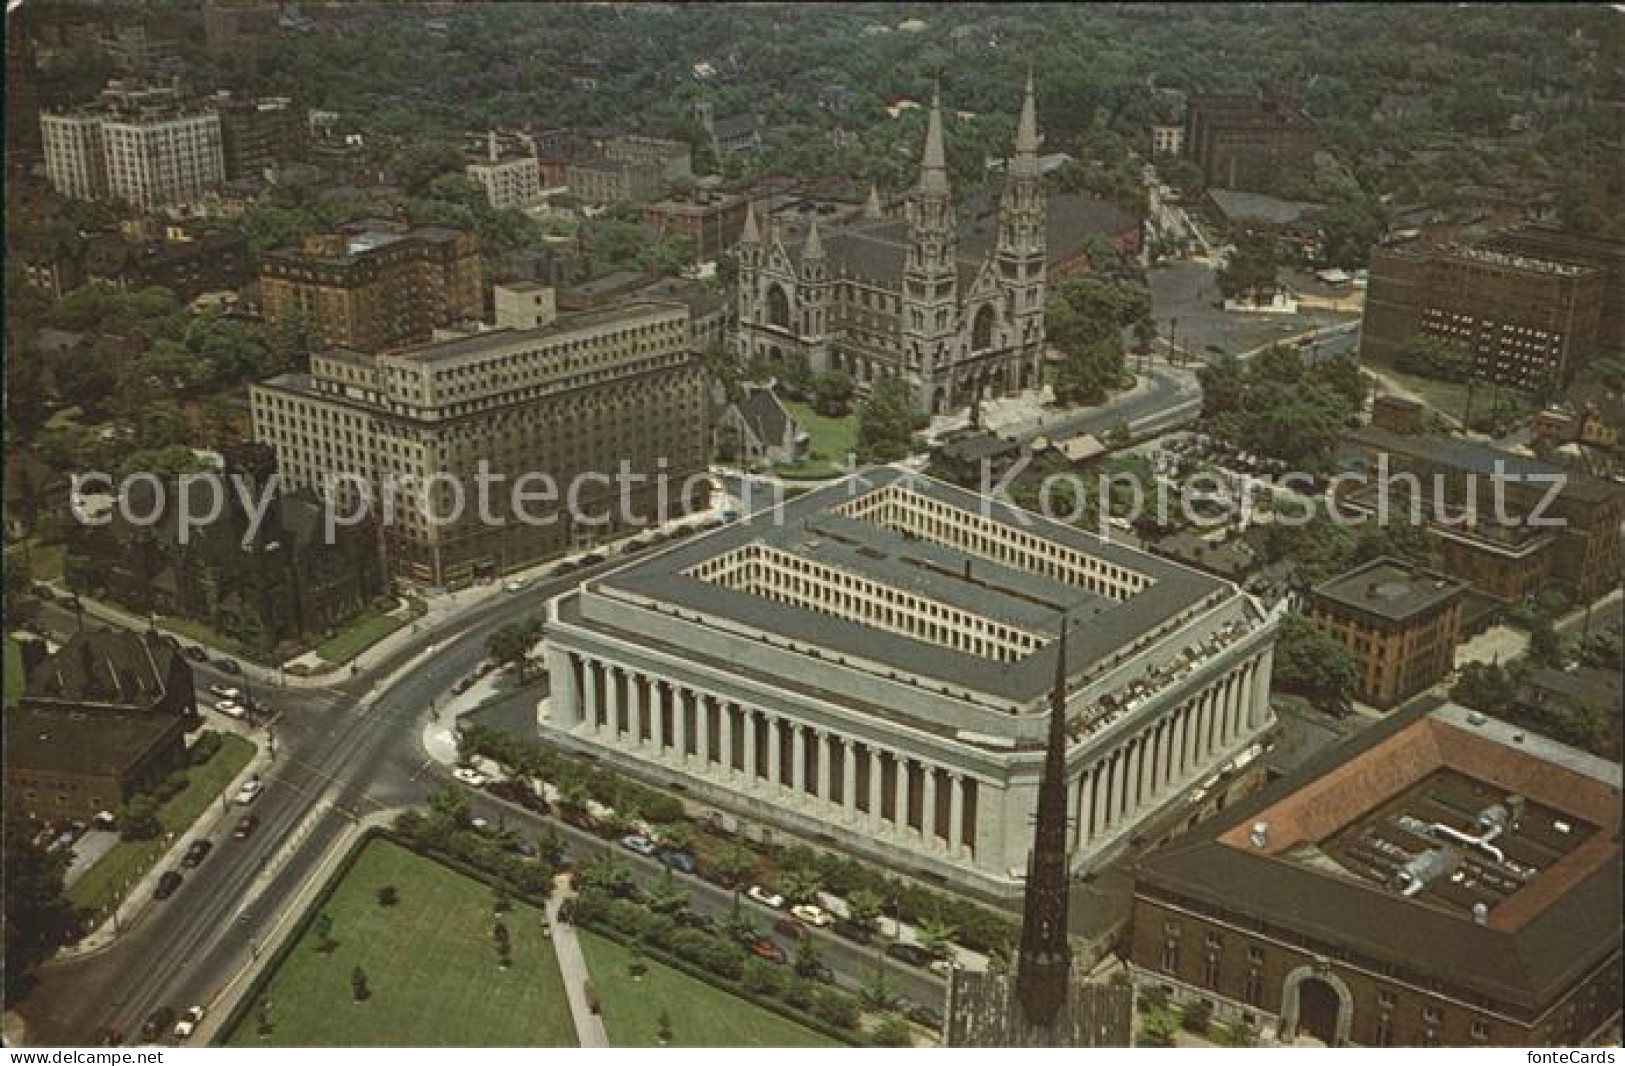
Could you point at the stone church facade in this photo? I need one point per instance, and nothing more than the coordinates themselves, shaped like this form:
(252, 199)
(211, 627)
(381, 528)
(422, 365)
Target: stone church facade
(885, 298)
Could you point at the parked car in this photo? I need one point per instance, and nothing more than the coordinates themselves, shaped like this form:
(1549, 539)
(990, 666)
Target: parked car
(167, 884)
(812, 915)
(42, 591)
(851, 931)
(469, 776)
(188, 1023)
(195, 653)
(229, 709)
(788, 928)
(920, 1014)
(591, 559)
(763, 896)
(249, 792)
(225, 692)
(642, 845)
(518, 584)
(763, 948)
(158, 1022)
(198, 851)
(941, 967)
(912, 954)
(246, 826)
(228, 666)
(681, 861)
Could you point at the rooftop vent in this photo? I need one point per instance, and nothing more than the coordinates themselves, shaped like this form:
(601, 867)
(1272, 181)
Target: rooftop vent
(1260, 836)
(1481, 912)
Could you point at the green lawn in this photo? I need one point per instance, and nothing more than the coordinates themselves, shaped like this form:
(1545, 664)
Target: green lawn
(213, 640)
(702, 1015)
(105, 883)
(430, 964)
(14, 672)
(360, 635)
(831, 440)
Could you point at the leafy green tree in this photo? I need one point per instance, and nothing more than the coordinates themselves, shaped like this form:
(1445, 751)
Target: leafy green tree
(1251, 268)
(936, 938)
(892, 1031)
(360, 990)
(736, 864)
(887, 422)
(832, 393)
(863, 908)
(1311, 662)
(39, 917)
(138, 820)
(801, 885)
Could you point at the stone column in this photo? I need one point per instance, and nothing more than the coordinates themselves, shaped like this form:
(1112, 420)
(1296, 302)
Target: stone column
(1086, 804)
(775, 761)
(702, 726)
(752, 767)
(849, 777)
(956, 815)
(1136, 766)
(1261, 696)
(680, 698)
(821, 787)
(589, 685)
(639, 700)
(798, 759)
(876, 780)
(900, 795)
(612, 686)
(928, 804)
(725, 722)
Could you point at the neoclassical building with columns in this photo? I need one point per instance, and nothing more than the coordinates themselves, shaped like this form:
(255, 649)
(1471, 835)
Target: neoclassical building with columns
(870, 666)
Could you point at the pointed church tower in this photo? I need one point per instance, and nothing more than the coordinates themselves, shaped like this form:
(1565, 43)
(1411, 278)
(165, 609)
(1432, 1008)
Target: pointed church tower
(817, 294)
(1044, 965)
(931, 275)
(748, 254)
(872, 211)
(1020, 252)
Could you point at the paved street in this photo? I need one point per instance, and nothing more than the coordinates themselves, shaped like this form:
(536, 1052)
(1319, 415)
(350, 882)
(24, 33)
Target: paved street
(343, 753)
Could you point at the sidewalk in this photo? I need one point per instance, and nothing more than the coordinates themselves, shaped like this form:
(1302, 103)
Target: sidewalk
(211, 823)
(573, 966)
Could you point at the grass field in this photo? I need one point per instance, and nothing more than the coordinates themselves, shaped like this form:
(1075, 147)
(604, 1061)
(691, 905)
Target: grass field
(831, 440)
(357, 637)
(701, 1014)
(105, 883)
(430, 964)
(212, 640)
(14, 672)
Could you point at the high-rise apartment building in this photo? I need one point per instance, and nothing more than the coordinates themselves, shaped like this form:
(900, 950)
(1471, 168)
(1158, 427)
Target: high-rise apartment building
(375, 286)
(572, 401)
(141, 145)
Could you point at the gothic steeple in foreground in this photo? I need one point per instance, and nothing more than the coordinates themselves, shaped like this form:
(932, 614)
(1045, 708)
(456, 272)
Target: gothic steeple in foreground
(1045, 962)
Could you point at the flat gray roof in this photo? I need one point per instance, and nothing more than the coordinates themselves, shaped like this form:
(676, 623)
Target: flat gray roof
(807, 527)
(1390, 588)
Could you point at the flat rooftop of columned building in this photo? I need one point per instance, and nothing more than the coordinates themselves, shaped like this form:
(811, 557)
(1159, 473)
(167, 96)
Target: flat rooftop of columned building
(827, 532)
(1318, 854)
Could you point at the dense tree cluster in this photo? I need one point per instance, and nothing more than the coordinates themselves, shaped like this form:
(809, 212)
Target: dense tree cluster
(1311, 662)
(1277, 406)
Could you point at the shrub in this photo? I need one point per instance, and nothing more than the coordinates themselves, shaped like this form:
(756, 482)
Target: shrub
(204, 748)
(892, 1032)
(836, 1008)
(388, 896)
(1198, 1016)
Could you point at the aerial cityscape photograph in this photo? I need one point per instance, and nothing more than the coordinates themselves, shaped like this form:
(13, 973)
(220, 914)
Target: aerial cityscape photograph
(812, 525)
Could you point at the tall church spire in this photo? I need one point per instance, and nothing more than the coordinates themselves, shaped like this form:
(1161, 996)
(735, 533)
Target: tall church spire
(751, 234)
(814, 248)
(1045, 962)
(871, 208)
(934, 164)
(1025, 162)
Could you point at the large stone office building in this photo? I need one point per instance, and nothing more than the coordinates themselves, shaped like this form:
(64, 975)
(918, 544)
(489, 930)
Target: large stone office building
(572, 400)
(872, 669)
(1439, 879)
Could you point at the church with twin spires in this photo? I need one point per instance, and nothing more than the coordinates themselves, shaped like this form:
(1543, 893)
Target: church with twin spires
(904, 299)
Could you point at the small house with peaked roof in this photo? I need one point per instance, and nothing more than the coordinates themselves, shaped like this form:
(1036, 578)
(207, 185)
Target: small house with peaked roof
(759, 430)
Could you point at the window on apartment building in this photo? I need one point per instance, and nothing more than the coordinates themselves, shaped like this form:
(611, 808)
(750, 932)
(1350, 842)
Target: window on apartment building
(1384, 1036)
(1210, 969)
(1170, 954)
(1480, 1030)
(1253, 991)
